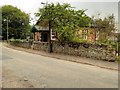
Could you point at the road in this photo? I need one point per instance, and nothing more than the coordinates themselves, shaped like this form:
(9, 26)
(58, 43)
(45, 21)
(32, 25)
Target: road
(0, 65)
(46, 72)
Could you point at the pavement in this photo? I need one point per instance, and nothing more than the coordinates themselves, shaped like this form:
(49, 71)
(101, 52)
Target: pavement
(77, 59)
(47, 72)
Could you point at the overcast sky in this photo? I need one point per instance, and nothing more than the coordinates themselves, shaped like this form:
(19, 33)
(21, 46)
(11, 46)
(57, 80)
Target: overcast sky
(105, 7)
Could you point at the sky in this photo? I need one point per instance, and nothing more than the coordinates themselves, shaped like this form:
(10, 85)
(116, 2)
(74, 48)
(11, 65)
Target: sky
(104, 7)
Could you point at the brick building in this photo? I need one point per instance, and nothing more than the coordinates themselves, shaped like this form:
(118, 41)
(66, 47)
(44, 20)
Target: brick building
(88, 33)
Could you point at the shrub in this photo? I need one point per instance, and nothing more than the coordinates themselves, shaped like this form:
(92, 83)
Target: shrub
(78, 40)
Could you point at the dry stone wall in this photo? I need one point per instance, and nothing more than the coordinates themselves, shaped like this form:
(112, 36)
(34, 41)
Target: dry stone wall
(94, 51)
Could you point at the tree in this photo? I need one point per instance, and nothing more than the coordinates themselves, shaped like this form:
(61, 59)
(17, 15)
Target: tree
(64, 19)
(18, 22)
(106, 26)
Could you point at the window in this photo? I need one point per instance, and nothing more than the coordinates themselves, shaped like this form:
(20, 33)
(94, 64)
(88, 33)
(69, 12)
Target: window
(85, 34)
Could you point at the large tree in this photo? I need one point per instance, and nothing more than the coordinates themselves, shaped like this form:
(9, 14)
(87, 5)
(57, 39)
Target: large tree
(18, 22)
(105, 26)
(63, 18)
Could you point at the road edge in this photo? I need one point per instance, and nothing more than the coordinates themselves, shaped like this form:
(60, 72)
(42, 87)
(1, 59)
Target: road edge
(36, 52)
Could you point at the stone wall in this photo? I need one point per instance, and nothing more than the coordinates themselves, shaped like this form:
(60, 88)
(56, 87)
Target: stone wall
(24, 44)
(94, 51)
(31, 45)
(41, 46)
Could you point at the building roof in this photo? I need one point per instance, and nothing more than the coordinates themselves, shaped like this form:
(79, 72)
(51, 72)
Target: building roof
(37, 28)
(33, 29)
(41, 28)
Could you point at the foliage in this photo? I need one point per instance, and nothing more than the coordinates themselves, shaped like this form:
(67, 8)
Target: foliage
(118, 37)
(20, 40)
(63, 19)
(79, 40)
(106, 26)
(107, 42)
(18, 22)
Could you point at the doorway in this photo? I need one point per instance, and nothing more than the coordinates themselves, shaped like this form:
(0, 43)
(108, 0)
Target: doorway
(44, 37)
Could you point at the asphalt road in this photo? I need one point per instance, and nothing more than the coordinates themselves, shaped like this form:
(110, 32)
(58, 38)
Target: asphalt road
(0, 74)
(46, 72)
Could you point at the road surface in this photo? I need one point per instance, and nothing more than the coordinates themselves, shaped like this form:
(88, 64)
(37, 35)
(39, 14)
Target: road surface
(46, 72)
(0, 65)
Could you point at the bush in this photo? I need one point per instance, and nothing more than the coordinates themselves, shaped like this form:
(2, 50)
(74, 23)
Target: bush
(20, 40)
(78, 40)
(110, 43)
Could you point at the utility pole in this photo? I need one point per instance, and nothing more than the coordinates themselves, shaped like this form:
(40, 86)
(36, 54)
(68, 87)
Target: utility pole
(50, 43)
(7, 29)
